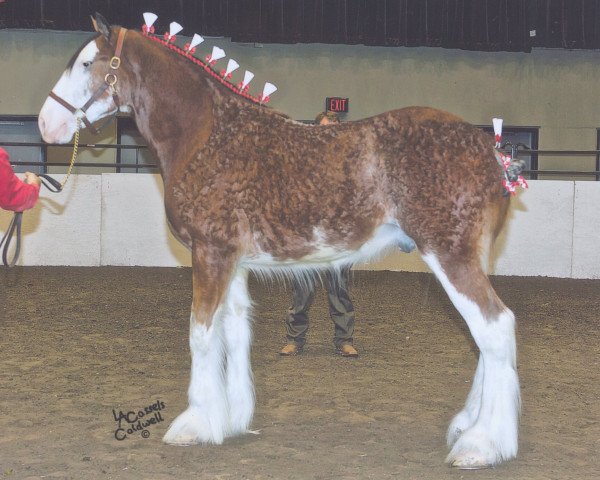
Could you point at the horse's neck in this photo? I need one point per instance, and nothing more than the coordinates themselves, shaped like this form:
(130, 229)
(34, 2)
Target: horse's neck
(172, 107)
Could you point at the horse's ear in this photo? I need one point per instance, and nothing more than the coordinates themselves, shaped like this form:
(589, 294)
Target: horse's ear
(101, 25)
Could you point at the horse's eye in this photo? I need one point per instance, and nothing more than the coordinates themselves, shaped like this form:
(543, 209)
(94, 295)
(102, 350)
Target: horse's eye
(86, 64)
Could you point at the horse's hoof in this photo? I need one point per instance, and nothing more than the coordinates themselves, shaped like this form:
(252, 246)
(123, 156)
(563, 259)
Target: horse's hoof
(192, 428)
(179, 442)
(470, 461)
(476, 449)
(473, 452)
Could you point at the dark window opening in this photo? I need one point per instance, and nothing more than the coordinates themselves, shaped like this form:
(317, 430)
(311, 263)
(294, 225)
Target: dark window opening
(128, 134)
(23, 129)
(518, 140)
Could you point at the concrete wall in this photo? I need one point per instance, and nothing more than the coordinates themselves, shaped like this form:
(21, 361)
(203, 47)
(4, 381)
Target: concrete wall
(116, 219)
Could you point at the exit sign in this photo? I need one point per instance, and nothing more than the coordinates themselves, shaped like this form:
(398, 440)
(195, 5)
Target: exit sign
(337, 104)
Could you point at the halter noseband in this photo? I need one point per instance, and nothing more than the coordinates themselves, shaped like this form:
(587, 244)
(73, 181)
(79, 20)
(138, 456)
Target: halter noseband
(110, 80)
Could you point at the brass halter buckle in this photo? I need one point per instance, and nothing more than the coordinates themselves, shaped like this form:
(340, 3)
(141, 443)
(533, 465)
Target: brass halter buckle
(111, 79)
(115, 63)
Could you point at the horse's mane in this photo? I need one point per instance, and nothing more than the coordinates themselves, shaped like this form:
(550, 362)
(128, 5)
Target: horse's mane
(214, 75)
(207, 68)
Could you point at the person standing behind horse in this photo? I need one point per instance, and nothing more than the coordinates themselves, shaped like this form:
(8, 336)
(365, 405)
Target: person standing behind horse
(341, 309)
(16, 195)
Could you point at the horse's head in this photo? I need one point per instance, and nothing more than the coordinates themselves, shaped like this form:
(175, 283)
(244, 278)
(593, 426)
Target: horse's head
(87, 88)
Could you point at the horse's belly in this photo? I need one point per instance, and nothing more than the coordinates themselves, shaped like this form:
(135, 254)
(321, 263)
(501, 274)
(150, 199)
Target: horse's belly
(385, 237)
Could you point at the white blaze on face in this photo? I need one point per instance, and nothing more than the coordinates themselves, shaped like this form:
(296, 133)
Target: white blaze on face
(57, 124)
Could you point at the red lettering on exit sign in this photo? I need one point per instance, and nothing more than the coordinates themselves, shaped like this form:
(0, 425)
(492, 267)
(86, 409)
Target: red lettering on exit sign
(337, 104)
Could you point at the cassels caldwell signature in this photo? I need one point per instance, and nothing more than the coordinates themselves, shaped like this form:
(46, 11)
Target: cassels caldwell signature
(138, 421)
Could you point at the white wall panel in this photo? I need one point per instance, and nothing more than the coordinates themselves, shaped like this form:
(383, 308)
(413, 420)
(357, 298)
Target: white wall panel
(119, 219)
(537, 238)
(63, 228)
(134, 225)
(586, 234)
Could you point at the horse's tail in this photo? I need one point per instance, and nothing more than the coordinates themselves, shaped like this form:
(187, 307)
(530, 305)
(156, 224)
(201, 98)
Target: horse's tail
(515, 168)
(511, 169)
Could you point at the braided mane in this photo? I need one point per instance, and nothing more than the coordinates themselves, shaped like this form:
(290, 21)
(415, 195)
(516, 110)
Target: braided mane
(207, 67)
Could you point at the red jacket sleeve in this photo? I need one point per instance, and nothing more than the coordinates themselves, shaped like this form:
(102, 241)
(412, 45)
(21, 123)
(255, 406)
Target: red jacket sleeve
(15, 195)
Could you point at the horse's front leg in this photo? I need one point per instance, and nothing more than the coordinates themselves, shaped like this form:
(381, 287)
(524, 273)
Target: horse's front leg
(238, 340)
(207, 418)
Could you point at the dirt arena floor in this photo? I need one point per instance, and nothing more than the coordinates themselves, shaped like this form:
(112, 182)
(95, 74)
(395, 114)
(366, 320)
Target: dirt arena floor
(80, 345)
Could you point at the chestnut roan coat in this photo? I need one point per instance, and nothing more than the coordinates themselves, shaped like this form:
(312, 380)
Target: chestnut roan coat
(247, 188)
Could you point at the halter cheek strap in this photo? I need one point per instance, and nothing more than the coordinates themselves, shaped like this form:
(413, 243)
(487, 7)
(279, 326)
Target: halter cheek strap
(110, 80)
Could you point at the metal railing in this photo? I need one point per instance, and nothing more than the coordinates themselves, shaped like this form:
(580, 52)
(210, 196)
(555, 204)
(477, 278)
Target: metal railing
(516, 152)
(522, 149)
(116, 165)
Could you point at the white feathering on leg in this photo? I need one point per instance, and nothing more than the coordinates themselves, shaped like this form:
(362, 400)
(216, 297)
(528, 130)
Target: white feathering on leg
(494, 435)
(205, 420)
(238, 340)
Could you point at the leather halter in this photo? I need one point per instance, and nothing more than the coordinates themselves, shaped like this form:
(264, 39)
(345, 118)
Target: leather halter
(110, 80)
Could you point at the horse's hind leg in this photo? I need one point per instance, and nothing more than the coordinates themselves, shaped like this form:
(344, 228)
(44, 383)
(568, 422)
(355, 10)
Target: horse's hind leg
(468, 415)
(485, 432)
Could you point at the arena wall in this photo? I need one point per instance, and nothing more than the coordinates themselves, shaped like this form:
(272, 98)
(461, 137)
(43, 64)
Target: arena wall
(118, 219)
(102, 220)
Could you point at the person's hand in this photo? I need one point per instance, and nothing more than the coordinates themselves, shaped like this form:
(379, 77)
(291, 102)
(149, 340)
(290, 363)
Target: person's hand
(32, 178)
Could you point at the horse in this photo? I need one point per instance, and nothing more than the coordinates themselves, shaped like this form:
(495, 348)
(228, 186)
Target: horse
(246, 188)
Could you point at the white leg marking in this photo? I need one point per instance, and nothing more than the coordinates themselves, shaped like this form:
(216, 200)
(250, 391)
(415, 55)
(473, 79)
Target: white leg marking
(238, 339)
(493, 436)
(205, 420)
(468, 415)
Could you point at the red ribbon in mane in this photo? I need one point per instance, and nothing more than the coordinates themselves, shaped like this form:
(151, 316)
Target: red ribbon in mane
(246, 88)
(169, 38)
(211, 72)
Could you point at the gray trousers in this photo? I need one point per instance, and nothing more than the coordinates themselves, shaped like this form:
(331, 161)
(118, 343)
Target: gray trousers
(341, 309)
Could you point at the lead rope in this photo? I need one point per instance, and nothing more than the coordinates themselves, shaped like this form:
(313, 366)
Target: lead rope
(17, 220)
(15, 225)
(73, 155)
